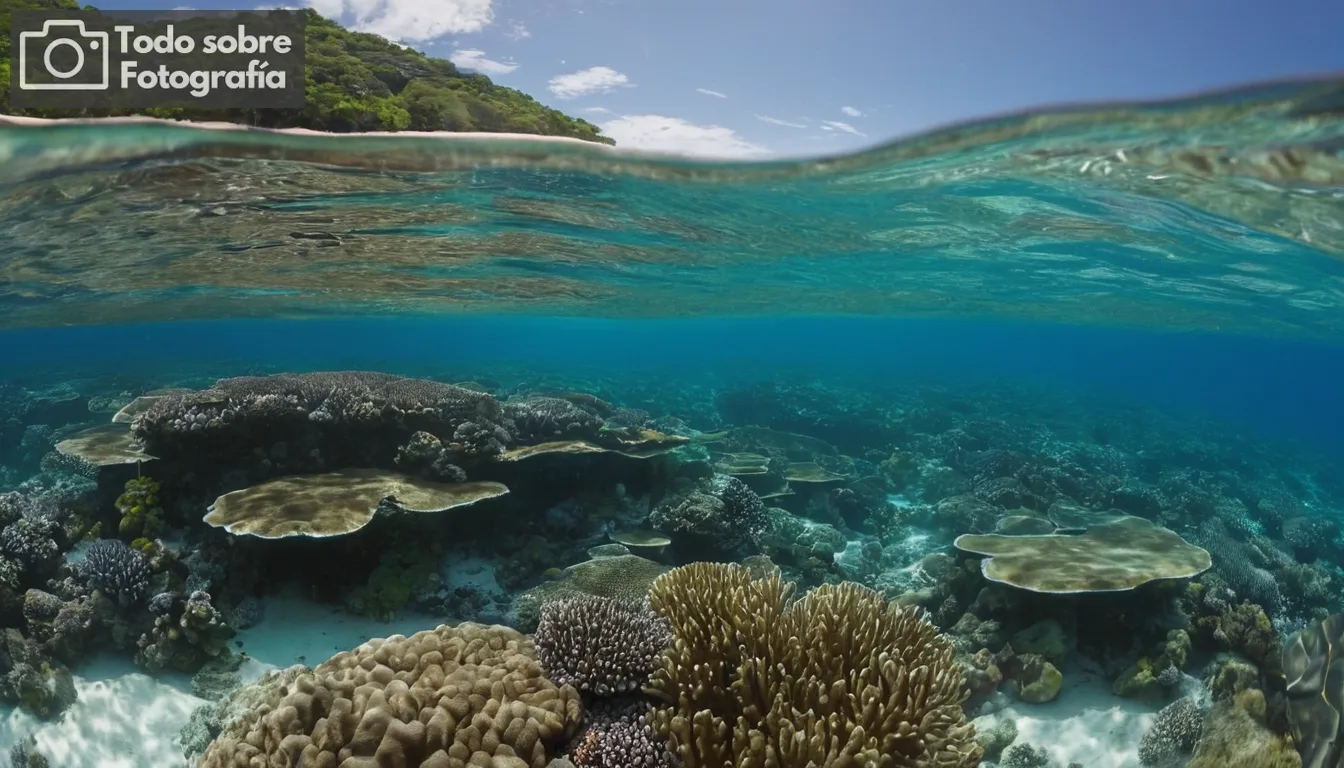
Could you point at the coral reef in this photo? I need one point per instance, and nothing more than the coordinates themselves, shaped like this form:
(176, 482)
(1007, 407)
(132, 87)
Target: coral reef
(141, 515)
(748, 670)
(186, 634)
(719, 513)
(1115, 556)
(599, 645)
(450, 696)
(116, 570)
(336, 503)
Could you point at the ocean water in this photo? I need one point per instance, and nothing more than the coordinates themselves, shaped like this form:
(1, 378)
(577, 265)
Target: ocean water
(1135, 309)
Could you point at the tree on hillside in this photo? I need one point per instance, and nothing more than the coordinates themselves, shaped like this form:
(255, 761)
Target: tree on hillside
(358, 82)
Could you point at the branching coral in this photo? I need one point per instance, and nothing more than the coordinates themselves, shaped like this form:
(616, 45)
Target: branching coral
(598, 644)
(618, 734)
(840, 677)
(115, 569)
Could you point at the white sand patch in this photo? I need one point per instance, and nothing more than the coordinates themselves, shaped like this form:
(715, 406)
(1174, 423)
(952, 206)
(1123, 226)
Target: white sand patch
(123, 719)
(294, 630)
(127, 719)
(1086, 724)
(465, 570)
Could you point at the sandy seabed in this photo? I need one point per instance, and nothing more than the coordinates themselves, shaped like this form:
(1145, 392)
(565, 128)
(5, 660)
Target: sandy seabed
(1085, 724)
(126, 719)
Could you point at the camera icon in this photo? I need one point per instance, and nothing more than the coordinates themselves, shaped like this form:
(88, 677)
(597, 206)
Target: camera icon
(71, 57)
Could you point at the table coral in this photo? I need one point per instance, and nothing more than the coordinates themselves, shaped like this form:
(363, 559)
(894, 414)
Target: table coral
(1112, 557)
(442, 698)
(336, 503)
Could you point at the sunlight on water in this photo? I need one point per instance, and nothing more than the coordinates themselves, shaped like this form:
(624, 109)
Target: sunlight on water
(1222, 213)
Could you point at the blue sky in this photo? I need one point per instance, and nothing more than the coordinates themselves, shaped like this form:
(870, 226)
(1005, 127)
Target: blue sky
(769, 78)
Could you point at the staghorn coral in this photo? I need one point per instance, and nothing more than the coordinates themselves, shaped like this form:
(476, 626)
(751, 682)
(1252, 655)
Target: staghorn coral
(831, 679)
(116, 570)
(443, 698)
(598, 644)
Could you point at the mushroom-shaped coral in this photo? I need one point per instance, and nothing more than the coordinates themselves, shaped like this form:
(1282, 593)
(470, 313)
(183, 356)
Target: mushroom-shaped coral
(1112, 557)
(336, 503)
(839, 677)
(598, 644)
(1315, 675)
(115, 569)
(443, 698)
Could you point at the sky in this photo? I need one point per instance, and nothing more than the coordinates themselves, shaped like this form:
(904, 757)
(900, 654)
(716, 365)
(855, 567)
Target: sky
(763, 79)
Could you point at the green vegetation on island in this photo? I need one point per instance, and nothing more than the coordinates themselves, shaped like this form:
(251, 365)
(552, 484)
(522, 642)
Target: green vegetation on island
(357, 82)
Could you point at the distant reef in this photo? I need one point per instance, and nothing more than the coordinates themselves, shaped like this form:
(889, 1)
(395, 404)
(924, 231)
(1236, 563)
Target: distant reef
(357, 82)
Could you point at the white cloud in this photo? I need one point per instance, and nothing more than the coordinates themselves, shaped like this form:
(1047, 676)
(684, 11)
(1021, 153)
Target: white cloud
(708, 92)
(412, 20)
(777, 121)
(597, 110)
(471, 58)
(836, 125)
(587, 82)
(674, 135)
(517, 31)
(851, 111)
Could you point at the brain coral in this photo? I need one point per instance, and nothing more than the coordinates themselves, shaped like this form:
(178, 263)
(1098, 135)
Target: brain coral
(450, 697)
(840, 677)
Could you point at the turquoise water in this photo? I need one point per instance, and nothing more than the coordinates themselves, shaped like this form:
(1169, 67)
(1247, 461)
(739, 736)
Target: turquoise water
(1137, 307)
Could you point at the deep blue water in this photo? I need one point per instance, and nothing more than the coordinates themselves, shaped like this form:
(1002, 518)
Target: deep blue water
(1276, 387)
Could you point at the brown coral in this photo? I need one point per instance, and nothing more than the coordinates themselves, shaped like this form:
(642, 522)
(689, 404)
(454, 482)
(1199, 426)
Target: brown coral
(443, 698)
(839, 678)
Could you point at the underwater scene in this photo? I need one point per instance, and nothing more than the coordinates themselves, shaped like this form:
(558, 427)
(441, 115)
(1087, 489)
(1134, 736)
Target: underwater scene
(1018, 443)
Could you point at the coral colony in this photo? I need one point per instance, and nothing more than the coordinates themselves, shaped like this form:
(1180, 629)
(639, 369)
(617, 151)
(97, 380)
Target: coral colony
(786, 576)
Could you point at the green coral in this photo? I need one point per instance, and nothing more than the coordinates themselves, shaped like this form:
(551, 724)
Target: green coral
(1245, 629)
(141, 515)
(393, 584)
(1151, 676)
